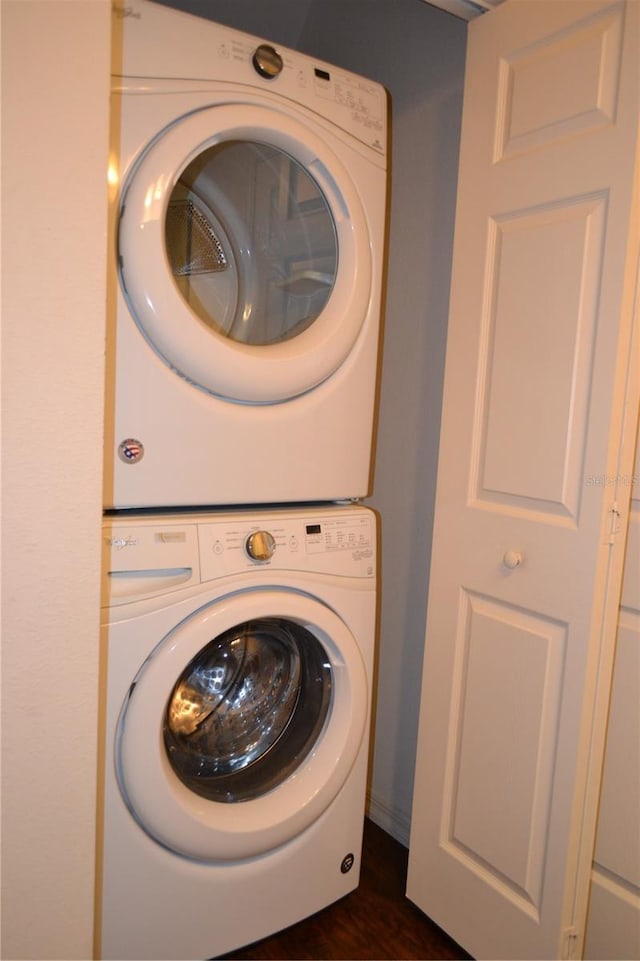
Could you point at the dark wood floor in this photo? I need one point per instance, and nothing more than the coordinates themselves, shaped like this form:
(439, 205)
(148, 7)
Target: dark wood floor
(374, 922)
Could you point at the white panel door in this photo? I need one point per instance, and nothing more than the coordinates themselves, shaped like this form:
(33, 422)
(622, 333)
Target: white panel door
(527, 566)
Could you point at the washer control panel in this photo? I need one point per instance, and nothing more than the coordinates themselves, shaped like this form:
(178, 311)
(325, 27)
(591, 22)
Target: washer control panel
(151, 555)
(332, 542)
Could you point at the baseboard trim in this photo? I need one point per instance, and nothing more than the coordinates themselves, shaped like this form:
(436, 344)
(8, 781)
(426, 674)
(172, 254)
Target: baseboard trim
(389, 819)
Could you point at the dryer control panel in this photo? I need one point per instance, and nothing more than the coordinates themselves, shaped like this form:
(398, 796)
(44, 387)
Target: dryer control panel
(166, 44)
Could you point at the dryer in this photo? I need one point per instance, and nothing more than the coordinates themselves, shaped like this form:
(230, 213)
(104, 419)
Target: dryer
(248, 201)
(240, 654)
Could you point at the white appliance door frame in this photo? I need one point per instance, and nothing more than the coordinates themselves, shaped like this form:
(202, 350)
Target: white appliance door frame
(241, 372)
(206, 830)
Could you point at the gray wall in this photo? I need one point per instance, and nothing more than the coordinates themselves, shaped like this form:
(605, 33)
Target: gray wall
(417, 52)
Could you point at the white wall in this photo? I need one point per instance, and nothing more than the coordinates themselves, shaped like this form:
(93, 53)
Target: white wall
(55, 73)
(417, 52)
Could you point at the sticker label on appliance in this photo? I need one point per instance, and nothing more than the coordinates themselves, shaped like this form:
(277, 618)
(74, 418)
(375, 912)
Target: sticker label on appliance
(131, 451)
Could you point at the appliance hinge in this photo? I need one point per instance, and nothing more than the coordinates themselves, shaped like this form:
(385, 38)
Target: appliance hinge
(569, 941)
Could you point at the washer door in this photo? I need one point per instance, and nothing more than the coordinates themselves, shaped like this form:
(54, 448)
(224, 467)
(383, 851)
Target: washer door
(242, 725)
(245, 254)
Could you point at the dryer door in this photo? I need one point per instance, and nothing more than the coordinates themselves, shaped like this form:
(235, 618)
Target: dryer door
(242, 725)
(244, 253)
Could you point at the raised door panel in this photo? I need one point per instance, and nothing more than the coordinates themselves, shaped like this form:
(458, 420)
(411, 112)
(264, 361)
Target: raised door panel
(500, 767)
(543, 270)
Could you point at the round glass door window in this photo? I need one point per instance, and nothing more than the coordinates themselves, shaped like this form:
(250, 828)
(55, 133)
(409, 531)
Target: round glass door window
(251, 242)
(248, 709)
(244, 253)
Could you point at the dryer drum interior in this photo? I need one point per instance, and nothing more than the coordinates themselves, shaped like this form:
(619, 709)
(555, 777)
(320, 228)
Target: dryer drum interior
(247, 709)
(251, 242)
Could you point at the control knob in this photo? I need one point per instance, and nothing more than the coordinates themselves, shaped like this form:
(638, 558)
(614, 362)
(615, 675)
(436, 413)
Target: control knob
(260, 545)
(267, 61)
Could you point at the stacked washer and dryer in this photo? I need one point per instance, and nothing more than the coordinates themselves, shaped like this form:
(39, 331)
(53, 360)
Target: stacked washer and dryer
(248, 214)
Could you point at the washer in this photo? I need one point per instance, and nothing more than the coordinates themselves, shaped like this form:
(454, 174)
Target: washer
(238, 691)
(248, 218)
